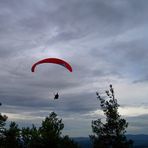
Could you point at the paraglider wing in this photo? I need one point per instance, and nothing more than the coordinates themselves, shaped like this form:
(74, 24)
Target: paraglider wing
(53, 60)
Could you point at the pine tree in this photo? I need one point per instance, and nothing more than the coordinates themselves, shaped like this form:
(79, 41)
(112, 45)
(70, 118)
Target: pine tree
(12, 136)
(48, 135)
(110, 134)
(3, 119)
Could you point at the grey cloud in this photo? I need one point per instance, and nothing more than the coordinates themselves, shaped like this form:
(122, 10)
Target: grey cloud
(131, 56)
(77, 16)
(138, 124)
(72, 20)
(142, 80)
(76, 103)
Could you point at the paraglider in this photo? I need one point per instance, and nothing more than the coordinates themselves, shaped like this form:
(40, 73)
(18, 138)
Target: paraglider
(56, 96)
(54, 61)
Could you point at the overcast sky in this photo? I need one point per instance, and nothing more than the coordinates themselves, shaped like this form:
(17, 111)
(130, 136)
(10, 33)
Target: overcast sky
(104, 41)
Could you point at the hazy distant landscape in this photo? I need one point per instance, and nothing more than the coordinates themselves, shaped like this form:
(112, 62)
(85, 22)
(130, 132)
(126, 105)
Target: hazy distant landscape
(140, 141)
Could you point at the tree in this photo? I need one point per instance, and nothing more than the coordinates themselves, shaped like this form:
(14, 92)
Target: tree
(30, 137)
(12, 136)
(3, 119)
(51, 133)
(51, 130)
(48, 135)
(66, 142)
(110, 134)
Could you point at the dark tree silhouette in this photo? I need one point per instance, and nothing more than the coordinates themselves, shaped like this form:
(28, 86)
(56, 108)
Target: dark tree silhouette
(51, 130)
(31, 137)
(12, 136)
(48, 135)
(3, 119)
(66, 142)
(110, 134)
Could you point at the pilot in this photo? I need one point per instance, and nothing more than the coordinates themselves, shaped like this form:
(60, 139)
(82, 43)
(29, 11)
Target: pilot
(56, 96)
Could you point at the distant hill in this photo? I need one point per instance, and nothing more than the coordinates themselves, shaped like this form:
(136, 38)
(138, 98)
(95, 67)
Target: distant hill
(140, 141)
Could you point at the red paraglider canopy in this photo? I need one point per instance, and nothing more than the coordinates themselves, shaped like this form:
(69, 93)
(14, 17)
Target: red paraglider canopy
(52, 60)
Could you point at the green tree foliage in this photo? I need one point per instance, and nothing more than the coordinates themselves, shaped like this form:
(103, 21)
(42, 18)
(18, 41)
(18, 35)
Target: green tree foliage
(110, 134)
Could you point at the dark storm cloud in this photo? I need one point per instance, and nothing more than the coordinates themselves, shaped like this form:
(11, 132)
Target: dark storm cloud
(34, 21)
